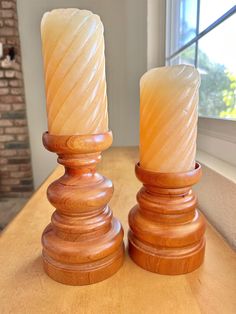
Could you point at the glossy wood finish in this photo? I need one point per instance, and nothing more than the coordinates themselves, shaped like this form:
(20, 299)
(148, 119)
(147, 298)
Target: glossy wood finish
(25, 288)
(83, 244)
(166, 231)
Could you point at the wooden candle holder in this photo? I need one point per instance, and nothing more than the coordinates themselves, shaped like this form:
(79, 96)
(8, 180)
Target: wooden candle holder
(83, 244)
(166, 233)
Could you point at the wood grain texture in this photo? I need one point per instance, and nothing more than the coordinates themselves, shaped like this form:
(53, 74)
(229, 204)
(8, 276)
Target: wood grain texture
(25, 288)
(166, 231)
(83, 244)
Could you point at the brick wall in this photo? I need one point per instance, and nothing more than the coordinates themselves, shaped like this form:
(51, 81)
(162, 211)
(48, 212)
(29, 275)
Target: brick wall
(15, 164)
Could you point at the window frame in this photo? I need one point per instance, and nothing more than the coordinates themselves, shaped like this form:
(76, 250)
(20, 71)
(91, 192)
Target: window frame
(211, 130)
(172, 15)
(199, 35)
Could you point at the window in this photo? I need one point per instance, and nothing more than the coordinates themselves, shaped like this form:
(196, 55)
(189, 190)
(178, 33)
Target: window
(203, 33)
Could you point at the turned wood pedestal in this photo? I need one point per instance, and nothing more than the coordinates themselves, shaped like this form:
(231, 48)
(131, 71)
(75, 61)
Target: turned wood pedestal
(166, 233)
(83, 244)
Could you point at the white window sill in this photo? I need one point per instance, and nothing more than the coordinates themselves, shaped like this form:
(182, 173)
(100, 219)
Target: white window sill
(217, 137)
(219, 166)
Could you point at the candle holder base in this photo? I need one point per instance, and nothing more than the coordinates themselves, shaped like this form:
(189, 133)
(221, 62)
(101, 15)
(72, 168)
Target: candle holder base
(81, 273)
(166, 233)
(83, 244)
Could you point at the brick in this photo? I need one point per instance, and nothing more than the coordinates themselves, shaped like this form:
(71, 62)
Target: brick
(6, 138)
(16, 66)
(11, 99)
(9, 22)
(4, 122)
(15, 83)
(7, 31)
(19, 107)
(5, 188)
(15, 130)
(18, 57)
(3, 161)
(3, 83)
(7, 13)
(8, 153)
(23, 152)
(10, 73)
(4, 91)
(20, 122)
(20, 161)
(27, 194)
(3, 40)
(17, 145)
(14, 115)
(12, 194)
(1, 74)
(1, 23)
(10, 181)
(9, 168)
(22, 137)
(22, 188)
(27, 182)
(5, 107)
(17, 91)
(12, 41)
(21, 174)
(4, 175)
(6, 66)
(18, 75)
(8, 4)
(25, 167)
(1, 132)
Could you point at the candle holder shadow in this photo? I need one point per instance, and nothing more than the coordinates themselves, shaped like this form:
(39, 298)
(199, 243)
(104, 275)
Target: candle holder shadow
(83, 244)
(166, 233)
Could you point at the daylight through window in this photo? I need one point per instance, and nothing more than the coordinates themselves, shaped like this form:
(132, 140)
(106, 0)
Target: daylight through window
(203, 33)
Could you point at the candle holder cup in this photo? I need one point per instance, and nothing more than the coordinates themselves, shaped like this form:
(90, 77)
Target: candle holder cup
(83, 244)
(166, 233)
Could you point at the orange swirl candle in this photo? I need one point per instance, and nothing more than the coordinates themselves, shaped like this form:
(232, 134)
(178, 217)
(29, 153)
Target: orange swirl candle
(74, 66)
(168, 118)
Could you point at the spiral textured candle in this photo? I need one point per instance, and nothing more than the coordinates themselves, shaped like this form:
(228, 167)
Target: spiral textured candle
(168, 118)
(74, 66)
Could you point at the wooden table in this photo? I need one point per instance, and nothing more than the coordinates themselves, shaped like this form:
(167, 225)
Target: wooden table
(25, 288)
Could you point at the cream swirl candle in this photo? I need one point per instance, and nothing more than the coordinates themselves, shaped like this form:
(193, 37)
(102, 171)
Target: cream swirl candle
(74, 66)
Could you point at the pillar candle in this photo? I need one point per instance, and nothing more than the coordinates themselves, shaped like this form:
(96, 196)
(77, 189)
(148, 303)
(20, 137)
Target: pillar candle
(168, 118)
(74, 67)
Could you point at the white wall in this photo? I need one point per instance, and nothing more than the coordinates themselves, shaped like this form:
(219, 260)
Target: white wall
(217, 138)
(156, 35)
(125, 23)
(216, 193)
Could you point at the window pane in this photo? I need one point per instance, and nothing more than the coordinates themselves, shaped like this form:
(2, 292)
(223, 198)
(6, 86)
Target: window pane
(211, 10)
(185, 57)
(182, 20)
(217, 65)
